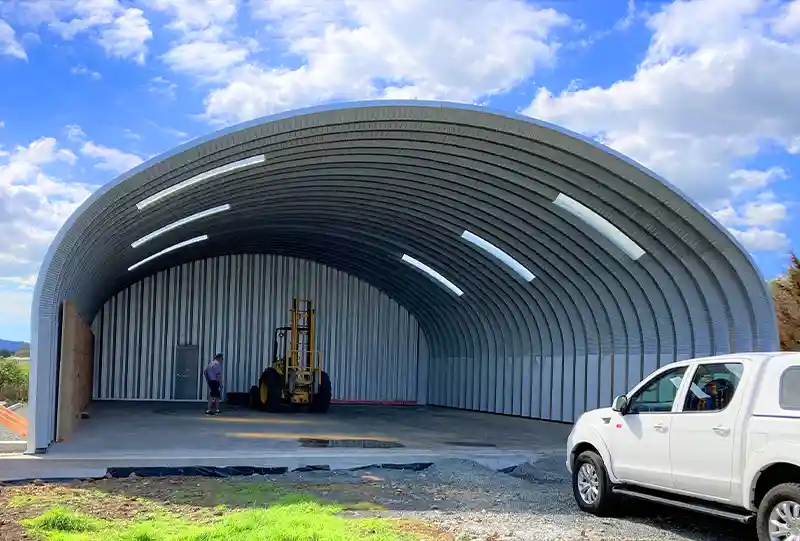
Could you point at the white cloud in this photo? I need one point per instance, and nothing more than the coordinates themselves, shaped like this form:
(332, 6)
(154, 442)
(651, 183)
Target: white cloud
(461, 50)
(768, 214)
(206, 44)
(752, 179)
(172, 132)
(197, 16)
(110, 159)
(122, 31)
(160, 85)
(762, 240)
(763, 212)
(74, 132)
(126, 36)
(787, 23)
(794, 145)
(83, 70)
(9, 45)
(15, 306)
(712, 91)
(205, 58)
(33, 206)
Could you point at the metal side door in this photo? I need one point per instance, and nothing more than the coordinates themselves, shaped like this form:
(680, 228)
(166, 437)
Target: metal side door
(187, 373)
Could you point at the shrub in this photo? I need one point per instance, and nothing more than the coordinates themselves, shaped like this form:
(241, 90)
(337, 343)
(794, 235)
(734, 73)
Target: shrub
(13, 381)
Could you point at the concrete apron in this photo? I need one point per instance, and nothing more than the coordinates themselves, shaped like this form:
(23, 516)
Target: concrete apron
(61, 466)
(13, 447)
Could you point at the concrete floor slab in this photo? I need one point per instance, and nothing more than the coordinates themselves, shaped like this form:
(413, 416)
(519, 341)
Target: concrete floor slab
(143, 434)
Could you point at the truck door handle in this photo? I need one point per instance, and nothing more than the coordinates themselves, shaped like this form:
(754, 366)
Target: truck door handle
(722, 430)
(660, 427)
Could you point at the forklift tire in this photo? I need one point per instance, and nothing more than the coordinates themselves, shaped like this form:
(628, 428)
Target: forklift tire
(255, 398)
(321, 402)
(272, 384)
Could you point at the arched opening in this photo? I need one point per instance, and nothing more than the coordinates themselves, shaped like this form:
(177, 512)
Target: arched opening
(546, 273)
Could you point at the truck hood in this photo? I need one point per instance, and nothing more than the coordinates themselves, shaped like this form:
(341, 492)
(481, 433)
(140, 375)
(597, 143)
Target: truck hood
(599, 413)
(594, 417)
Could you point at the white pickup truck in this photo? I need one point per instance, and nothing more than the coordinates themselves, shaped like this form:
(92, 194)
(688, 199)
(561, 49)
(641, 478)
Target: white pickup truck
(717, 435)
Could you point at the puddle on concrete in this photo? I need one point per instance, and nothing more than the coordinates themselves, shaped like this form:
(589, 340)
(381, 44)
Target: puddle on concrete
(469, 444)
(366, 443)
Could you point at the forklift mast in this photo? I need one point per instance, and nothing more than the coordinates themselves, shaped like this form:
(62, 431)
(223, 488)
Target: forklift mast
(281, 348)
(303, 358)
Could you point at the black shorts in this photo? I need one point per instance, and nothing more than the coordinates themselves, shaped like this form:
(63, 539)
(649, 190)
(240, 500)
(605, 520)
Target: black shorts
(214, 388)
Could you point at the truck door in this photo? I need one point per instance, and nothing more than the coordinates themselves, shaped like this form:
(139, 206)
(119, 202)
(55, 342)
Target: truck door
(704, 432)
(639, 440)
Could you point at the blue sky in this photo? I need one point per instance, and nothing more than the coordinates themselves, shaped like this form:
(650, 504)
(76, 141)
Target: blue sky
(698, 91)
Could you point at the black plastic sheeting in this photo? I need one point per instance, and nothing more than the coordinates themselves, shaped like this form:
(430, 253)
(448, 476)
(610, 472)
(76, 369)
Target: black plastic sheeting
(218, 471)
(238, 471)
(416, 466)
(193, 471)
(45, 481)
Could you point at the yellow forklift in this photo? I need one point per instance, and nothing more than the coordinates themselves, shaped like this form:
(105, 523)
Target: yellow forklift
(295, 378)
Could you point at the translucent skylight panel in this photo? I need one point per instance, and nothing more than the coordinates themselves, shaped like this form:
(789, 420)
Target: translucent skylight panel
(223, 169)
(433, 274)
(603, 226)
(499, 254)
(179, 223)
(168, 250)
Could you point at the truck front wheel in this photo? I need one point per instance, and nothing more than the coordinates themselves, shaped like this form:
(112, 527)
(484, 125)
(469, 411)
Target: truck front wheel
(590, 484)
(779, 514)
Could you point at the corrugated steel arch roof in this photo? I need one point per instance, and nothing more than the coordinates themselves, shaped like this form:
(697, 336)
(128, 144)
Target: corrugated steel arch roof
(356, 185)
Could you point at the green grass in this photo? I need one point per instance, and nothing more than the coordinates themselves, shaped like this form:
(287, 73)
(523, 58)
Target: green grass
(270, 515)
(224, 494)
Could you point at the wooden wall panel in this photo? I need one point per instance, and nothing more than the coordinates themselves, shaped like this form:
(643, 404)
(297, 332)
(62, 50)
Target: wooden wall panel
(75, 373)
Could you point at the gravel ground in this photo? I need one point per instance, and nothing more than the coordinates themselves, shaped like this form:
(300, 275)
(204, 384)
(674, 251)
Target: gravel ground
(533, 503)
(7, 435)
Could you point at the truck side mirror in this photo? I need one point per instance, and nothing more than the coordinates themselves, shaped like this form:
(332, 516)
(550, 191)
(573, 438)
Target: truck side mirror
(620, 404)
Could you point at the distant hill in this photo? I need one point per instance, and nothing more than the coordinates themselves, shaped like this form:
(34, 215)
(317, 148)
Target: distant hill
(11, 345)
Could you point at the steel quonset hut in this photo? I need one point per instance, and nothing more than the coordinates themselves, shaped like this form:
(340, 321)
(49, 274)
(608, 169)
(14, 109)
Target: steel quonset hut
(458, 256)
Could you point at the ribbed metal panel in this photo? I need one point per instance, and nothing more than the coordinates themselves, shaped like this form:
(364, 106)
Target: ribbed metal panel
(370, 344)
(354, 187)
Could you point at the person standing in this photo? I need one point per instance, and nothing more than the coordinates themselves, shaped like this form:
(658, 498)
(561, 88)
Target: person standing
(213, 374)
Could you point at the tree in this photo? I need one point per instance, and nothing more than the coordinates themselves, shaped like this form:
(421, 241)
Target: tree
(786, 295)
(5, 353)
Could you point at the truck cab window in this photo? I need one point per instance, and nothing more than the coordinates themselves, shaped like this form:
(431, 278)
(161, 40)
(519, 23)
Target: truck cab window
(789, 397)
(658, 395)
(713, 386)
